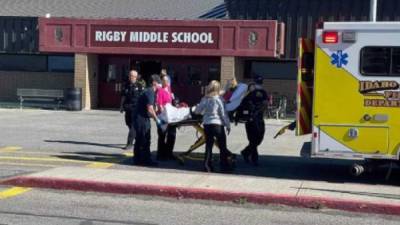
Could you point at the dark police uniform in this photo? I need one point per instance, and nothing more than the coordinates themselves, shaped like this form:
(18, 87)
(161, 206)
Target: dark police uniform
(131, 93)
(143, 128)
(255, 103)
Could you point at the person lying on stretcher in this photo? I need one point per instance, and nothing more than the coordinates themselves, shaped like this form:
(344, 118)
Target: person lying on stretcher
(232, 101)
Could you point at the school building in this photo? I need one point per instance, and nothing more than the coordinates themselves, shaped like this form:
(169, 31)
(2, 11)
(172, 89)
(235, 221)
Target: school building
(92, 44)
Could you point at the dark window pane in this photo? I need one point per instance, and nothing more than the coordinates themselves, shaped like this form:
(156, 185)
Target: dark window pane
(213, 73)
(375, 61)
(34, 63)
(285, 70)
(396, 61)
(61, 64)
(194, 74)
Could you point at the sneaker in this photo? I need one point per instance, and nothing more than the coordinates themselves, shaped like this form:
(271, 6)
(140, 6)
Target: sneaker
(246, 156)
(208, 168)
(128, 147)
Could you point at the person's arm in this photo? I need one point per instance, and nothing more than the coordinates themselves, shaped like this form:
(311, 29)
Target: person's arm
(159, 103)
(121, 107)
(223, 115)
(150, 107)
(200, 107)
(152, 112)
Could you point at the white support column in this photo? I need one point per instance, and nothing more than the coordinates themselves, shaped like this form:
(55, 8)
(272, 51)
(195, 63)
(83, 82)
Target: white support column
(373, 10)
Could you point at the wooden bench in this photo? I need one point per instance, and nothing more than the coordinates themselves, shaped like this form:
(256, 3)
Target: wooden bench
(56, 96)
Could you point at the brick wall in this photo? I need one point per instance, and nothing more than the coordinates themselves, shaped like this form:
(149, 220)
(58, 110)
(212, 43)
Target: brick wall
(227, 69)
(86, 77)
(276, 87)
(11, 80)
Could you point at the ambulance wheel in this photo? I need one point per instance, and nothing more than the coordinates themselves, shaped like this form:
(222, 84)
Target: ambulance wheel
(357, 170)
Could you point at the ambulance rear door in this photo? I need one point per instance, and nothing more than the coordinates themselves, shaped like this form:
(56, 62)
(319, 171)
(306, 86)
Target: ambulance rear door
(305, 83)
(357, 97)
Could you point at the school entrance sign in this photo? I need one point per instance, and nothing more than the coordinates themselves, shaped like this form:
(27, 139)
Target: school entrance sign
(162, 37)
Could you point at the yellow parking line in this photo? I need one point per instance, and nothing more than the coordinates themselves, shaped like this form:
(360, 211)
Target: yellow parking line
(44, 159)
(109, 162)
(128, 154)
(27, 164)
(100, 165)
(40, 153)
(10, 149)
(13, 192)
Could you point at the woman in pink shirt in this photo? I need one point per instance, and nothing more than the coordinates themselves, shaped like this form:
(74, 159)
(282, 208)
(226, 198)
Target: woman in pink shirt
(166, 139)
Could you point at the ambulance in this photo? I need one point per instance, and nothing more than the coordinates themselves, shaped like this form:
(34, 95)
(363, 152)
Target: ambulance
(348, 94)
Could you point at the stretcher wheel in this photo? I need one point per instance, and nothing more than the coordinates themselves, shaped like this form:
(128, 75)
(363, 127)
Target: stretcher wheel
(181, 160)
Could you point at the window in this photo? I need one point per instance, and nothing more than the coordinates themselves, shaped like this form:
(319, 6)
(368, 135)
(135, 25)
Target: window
(380, 61)
(194, 74)
(396, 61)
(60, 64)
(213, 73)
(112, 73)
(34, 63)
(281, 70)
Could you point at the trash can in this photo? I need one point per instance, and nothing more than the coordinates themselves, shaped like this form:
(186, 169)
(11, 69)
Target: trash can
(73, 99)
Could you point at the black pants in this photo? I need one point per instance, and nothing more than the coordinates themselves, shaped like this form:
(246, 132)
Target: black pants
(129, 123)
(166, 141)
(212, 132)
(255, 131)
(141, 150)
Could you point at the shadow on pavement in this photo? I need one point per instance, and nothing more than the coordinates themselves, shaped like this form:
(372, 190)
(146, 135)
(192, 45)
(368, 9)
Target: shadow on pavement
(271, 166)
(117, 146)
(96, 157)
(379, 195)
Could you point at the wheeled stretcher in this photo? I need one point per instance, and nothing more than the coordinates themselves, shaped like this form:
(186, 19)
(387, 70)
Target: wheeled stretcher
(201, 139)
(181, 117)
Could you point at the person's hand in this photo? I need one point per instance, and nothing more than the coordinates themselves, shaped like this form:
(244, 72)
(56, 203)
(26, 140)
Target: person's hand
(228, 130)
(158, 122)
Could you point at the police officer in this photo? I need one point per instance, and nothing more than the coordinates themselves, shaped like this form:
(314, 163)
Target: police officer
(144, 111)
(129, 99)
(256, 103)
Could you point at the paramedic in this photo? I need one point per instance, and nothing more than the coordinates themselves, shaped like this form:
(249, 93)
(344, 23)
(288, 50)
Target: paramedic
(215, 121)
(144, 111)
(256, 101)
(130, 96)
(166, 138)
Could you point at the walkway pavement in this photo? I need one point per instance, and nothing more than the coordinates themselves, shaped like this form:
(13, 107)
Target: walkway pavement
(223, 187)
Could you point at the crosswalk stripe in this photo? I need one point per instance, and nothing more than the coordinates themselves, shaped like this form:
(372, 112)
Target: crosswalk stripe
(11, 192)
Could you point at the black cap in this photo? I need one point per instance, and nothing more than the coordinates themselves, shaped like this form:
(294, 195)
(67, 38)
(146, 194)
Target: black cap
(258, 79)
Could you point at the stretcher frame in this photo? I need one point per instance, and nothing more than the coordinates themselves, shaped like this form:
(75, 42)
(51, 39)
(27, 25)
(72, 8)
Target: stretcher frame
(201, 140)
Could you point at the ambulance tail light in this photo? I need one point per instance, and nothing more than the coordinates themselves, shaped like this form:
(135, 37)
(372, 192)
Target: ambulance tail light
(330, 37)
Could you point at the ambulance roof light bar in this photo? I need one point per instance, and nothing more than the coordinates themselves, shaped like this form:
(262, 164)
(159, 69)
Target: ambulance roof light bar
(330, 37)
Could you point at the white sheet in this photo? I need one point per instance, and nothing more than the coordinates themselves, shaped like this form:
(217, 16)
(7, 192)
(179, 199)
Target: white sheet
(172, 114)
(236, 97)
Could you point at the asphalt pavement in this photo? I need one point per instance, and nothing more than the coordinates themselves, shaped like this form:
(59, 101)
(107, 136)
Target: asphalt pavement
(49, 207)
(38, 141)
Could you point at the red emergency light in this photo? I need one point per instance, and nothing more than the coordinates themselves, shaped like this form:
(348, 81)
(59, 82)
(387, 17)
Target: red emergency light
(330, 37)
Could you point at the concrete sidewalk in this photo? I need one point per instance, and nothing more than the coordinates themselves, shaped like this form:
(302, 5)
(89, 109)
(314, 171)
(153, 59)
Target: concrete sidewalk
(222, 187)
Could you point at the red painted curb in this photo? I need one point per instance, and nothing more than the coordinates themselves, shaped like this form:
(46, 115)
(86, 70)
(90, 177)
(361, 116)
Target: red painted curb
(204, 194)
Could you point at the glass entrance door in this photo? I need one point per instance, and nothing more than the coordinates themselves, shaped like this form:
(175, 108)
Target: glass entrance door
(113, 71)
